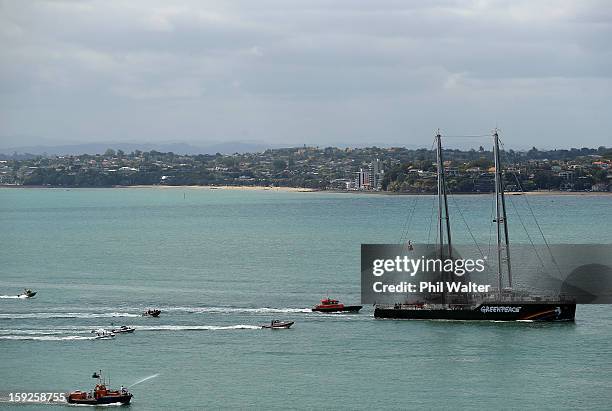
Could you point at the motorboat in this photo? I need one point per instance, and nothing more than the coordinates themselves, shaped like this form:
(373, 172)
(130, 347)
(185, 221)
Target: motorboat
(100, 395)
(102, 334)
(152, 313)
(329, 305)
(124, 329)
(27, 293)
(277, 324)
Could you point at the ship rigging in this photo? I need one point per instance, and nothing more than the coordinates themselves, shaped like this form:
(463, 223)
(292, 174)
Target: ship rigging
(505, 303)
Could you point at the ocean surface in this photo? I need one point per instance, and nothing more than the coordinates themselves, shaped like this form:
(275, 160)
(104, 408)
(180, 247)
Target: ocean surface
(219, 263)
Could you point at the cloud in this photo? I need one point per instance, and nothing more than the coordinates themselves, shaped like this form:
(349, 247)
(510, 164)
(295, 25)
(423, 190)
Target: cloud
(305, 71)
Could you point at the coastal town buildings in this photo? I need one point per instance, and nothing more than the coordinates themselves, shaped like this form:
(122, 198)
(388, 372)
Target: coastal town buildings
(346, 169)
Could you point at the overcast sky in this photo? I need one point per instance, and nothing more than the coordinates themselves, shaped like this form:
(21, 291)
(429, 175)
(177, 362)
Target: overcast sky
(316, 72)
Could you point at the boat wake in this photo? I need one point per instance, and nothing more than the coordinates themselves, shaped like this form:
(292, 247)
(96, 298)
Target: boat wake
(46, 337)
(66, 315)
(133, 312)
(13, 296)
(59, 334)
(198, 327)
(31, 332)
(234, 310)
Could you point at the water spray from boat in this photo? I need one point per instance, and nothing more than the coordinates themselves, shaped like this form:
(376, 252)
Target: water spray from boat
(143, 380)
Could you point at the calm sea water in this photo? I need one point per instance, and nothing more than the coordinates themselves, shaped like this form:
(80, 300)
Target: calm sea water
(219, 263)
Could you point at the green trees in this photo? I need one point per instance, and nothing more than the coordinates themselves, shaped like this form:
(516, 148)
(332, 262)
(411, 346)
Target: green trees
(404, 170)
(279, 165)
(546, 180)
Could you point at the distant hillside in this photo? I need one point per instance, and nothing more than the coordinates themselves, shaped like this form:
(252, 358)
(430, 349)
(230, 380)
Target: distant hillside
(99, 148)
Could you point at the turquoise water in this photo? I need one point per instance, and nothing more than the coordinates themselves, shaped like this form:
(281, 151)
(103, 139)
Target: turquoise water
(218, 263)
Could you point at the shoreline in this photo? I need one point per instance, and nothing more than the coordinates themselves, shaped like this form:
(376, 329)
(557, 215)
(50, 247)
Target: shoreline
(313, 190)
(507, 193)
(165, 187)
(231, 188)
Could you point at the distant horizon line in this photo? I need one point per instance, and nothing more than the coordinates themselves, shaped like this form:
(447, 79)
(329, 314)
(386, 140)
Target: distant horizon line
(237, 147)
(244, 145)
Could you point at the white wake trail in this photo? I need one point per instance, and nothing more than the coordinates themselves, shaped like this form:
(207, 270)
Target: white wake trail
(231, 310)
(67, 315)
(45, 338)
(198, 327)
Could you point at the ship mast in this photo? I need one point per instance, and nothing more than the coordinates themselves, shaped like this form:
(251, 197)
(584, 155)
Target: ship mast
(443, 220)
(500, 218)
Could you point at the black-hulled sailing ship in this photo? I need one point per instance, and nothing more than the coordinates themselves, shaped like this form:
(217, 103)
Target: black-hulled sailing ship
(504, 303)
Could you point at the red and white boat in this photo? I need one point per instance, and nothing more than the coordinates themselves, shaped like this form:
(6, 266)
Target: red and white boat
(329, 305)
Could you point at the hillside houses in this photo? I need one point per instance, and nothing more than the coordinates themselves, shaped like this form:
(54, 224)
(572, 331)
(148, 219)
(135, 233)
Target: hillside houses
(366, 169)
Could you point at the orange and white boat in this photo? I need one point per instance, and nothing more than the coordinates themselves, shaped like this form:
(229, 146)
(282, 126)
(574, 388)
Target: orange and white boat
(101, 394)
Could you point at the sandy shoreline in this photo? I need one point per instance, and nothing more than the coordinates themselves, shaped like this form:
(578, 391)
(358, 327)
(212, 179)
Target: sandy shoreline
(166, 187)
(232, 188)
(312, 190)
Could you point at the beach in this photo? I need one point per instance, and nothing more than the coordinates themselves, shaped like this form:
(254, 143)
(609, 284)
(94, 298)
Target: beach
(233, 188)
(314, 190)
